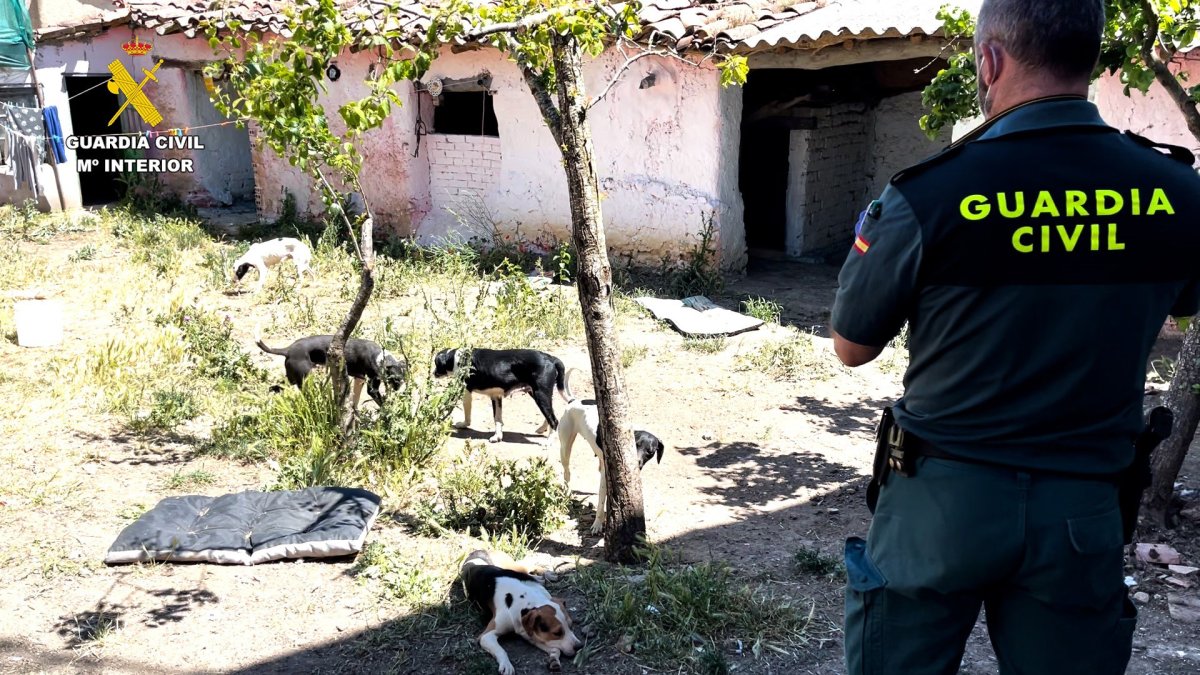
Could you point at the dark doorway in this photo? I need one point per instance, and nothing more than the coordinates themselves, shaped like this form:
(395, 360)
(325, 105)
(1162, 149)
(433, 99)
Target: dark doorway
(91, 107)
(763, 179)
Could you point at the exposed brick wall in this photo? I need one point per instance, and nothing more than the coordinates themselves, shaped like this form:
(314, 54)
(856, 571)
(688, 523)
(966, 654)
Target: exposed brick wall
(827, 176)
(461, 168)
(846, 161)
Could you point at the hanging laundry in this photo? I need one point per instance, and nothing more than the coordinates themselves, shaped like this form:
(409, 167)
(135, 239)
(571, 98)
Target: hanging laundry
(28, 122)
(54, 128)
(26, 145)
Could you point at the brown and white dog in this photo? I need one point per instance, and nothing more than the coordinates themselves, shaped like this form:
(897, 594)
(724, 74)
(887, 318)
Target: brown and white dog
(515, 601)
(264, 255)
(582, 418)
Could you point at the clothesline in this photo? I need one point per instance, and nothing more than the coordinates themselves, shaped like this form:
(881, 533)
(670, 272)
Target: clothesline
(177, 131)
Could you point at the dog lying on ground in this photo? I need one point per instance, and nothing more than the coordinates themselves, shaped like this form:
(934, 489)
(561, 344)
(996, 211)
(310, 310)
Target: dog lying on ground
(582, 418)
(497, 373)
(515, 601)
(266, 254)
(365, 362)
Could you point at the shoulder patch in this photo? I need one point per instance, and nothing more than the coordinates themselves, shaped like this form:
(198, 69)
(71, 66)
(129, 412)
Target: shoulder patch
(1178, 153)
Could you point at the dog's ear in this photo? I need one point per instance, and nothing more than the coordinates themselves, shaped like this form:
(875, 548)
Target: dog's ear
(563, 606)
(242, 270)
(659, 453)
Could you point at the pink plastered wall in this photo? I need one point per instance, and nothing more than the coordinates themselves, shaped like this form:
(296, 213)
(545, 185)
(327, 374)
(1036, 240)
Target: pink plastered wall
(661, 142)
(1153, 114)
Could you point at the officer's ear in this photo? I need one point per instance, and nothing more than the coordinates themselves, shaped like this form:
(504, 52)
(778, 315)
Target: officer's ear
(991, 62)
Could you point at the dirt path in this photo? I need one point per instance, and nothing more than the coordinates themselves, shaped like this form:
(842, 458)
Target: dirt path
(756, 469)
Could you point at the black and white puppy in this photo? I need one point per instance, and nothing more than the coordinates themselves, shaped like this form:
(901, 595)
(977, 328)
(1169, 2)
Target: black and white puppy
(515, 601)
(582, 418)
(266, 254)
(497, 373)
(365, 362)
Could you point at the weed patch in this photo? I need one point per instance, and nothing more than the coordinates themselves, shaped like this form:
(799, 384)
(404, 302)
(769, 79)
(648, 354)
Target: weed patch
(812, 562)
(169, 408)
(159, 241)
(192, 479)
(694, 615)
(420, 586)
(477, 495)
(698, 274)
(704, 345)
(209, 338)
(762, 309)
(793, 357)
(83, 253)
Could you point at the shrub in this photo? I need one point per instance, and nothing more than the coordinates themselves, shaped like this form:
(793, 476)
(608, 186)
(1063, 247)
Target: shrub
(388, 448)
(210, 341)
(478, 496)
(675, 615)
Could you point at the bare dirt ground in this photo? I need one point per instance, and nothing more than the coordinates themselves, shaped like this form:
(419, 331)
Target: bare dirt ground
(756, 469)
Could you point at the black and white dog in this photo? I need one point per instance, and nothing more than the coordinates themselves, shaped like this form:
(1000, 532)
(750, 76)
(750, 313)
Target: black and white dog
(582, 418)
(266, 254)
(497, 373)
(365, 362)
(514, 601)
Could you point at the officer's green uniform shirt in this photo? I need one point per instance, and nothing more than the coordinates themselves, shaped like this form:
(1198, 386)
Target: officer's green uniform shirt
(1035, 265)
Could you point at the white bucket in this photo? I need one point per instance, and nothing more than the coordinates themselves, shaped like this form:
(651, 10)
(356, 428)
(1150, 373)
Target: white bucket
(39, 322)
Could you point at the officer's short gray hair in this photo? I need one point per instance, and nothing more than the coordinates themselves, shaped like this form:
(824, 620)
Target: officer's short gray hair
(1060, 36)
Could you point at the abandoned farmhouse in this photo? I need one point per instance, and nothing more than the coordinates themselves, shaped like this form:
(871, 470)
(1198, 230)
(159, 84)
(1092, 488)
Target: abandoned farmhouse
(780, 166)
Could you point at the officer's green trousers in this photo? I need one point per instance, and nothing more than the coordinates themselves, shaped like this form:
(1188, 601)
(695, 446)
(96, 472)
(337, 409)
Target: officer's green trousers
(1043, 555)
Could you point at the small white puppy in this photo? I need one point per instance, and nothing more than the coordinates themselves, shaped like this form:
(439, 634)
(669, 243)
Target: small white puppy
(264, 255)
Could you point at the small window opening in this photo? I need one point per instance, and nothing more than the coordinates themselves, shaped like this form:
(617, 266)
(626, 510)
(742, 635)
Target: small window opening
(470, 113)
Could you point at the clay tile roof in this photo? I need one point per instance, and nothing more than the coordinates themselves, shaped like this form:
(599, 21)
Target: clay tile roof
(727, 25)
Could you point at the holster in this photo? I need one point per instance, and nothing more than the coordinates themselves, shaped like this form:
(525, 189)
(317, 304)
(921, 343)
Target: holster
(890, 456)
(1134, 480)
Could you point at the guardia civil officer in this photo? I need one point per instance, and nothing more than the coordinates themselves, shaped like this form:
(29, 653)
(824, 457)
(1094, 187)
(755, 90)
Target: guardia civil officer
(1035, 263)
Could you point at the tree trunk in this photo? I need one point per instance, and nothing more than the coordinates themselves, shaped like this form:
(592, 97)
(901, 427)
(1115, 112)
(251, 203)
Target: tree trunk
(1181, 398)
(1167, 459)
(625, 524)
(337, 346)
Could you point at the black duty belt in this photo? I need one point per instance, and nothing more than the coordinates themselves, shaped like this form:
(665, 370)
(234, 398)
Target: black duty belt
(923, 448)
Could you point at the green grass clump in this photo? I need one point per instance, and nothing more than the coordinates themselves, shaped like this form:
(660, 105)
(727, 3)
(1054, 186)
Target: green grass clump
(688, 615)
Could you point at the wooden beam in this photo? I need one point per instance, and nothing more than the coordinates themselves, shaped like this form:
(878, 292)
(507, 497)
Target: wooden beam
(865, 51)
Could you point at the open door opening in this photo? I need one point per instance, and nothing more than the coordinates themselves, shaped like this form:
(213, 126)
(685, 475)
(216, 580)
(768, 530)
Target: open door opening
(91, 107)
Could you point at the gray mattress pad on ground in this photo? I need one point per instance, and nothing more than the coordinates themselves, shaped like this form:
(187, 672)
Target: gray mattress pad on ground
(250, 527)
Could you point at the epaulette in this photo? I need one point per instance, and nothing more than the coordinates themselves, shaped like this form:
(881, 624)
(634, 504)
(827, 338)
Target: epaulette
(1175, 152)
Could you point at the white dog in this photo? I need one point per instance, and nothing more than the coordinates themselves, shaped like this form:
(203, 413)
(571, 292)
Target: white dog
(264, 255)
(582, 418)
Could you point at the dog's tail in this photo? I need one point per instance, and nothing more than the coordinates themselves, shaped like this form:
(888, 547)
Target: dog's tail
(564, 384)
(561, 381)
(263, 346)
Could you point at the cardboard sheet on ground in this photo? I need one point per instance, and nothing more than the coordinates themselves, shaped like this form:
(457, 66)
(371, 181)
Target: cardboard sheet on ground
(697, 316)
(250, 527)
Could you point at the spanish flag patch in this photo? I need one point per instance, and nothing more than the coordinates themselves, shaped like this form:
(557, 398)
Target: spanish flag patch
(861, 245)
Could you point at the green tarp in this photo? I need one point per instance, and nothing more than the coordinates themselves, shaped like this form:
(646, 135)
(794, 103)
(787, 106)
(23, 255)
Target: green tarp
(16, 34)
